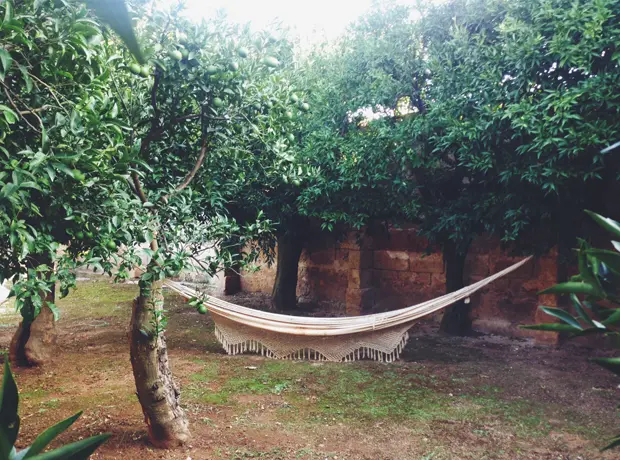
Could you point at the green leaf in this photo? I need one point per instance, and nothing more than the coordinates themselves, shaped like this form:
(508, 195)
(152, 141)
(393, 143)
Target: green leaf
(6, 60)
(611, 364)
(80, 450)
(552, 327)
(115, 13)
(615, 442)
(563, 315)
(9, 115)
(613, 319)
(8, 12)
(43, 440)
(608, 224)
(9, 401)
(571, 287)
(580, 310)
(609, 258)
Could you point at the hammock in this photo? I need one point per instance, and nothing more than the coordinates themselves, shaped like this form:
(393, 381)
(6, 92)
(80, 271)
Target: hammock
(381, 336)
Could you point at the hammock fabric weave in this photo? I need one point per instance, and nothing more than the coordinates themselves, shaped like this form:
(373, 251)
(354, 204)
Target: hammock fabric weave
(381, 336)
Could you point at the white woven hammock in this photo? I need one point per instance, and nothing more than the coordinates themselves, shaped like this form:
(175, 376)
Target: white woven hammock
(380, 336)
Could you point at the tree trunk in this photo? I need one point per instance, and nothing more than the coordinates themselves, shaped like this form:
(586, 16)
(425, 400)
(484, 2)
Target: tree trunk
(284, 294)
(456, 318)
(34, 341)
(156, 389)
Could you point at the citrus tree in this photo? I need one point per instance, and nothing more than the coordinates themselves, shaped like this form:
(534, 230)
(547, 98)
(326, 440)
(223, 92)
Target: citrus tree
(521, 102)
(60, 132)
(195, 114)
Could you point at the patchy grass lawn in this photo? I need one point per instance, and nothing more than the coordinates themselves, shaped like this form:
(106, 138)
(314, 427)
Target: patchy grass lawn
(448, 398)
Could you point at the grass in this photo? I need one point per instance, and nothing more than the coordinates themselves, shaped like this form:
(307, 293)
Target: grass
(362, 394)
(92, 300)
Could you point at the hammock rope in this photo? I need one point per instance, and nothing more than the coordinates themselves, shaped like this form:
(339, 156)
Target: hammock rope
(380, 336)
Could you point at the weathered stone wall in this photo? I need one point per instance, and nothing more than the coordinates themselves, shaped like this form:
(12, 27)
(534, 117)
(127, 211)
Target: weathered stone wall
(401, 269)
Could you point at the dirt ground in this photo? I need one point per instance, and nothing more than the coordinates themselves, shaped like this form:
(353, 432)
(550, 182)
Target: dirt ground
(448, 398)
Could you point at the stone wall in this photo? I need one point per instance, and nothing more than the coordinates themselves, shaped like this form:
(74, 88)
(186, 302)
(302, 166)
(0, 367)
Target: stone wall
(400, 269)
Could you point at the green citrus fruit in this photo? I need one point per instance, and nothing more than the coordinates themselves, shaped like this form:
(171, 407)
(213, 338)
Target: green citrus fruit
(184, 53)
(269, 104)
(304, 106)
(78, 175)
(202, 309)
(294, 97)
(145, 71)
(176, 55)
(270, 61)
(289, 115)
(217, 102)
(111, 245)
(156, 48)
(243, 52)
(79, 235)
(212, 70)
(135, 69)
(291, 138)
(233, 66)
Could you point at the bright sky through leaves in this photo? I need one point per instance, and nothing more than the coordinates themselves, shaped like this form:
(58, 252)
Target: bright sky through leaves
(313, 19)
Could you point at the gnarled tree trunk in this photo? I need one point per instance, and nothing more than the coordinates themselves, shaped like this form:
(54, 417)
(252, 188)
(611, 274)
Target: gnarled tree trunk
(456, 318)
(156, 389)
(34, 341)
(284, 294)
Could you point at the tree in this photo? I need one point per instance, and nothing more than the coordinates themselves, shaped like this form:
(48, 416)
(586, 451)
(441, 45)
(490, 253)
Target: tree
(59, 134)
(191, 115)
(521, 102)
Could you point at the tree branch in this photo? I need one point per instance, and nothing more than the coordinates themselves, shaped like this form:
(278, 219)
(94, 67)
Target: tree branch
(190, 176)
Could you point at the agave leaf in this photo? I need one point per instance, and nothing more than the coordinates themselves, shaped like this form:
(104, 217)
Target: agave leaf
(553, 327)
(43, 440)
(114, 12)
(609, 258)
(608, 224)
(615, 442)
(571, 287)
(79, 450)
(611, 364)
(612, 319)
(580, 310)
(9, 400)
(563, 315)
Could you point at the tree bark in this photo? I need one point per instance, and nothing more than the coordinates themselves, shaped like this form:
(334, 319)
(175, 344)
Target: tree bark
(456, 318)
(284, 294)
(156, 389)
(34, 341)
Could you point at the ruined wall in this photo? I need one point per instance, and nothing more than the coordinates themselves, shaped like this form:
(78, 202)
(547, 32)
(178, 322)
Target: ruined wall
(400, 269)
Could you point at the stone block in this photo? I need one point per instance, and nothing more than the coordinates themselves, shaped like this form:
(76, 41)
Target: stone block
(391, 260)
(359, 300)
(426, 263)
(360, 259)
(501, 262)
(546, 269)
(400, 283)
(322, 257)
(360, 279)
(477, 265)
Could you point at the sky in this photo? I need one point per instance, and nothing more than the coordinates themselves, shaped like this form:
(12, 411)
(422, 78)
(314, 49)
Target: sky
(313, 19)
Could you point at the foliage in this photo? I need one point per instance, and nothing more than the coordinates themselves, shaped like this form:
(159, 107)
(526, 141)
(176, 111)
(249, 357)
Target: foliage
(60, 134)
(9, 430)
(521, 101)
(594, 297)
